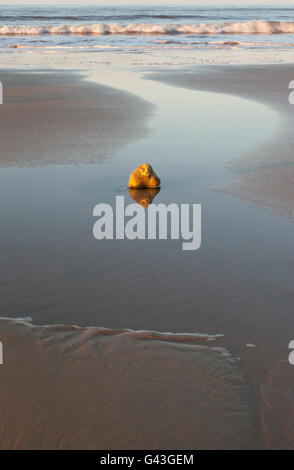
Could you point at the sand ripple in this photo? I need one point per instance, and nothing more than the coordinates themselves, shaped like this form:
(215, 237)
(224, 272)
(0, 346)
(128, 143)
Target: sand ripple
(91, 388)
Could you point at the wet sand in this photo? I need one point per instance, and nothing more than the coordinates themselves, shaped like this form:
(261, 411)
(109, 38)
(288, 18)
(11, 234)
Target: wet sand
(264, 177)
(277, 407)
(243, 307)
(73, 388)
(44, 115)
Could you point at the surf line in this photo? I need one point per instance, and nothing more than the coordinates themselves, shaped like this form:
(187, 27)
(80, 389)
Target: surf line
(155, 218)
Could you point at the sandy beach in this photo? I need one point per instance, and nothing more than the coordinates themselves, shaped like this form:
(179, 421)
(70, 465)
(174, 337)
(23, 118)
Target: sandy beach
(69, 388)
(78, 371)
(133, 342)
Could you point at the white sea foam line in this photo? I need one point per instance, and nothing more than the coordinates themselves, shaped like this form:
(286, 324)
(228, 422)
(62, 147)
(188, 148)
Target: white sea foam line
(147, 335)
(144, 334)
(250, 27)
(24, 319)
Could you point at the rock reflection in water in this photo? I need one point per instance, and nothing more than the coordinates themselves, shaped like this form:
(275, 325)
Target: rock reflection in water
(144, 196)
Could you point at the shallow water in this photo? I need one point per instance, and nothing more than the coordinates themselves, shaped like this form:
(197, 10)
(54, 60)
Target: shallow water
(238, 286)
(54, 271)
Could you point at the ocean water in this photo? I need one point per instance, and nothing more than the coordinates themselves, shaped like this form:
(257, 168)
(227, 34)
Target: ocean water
(143, 29)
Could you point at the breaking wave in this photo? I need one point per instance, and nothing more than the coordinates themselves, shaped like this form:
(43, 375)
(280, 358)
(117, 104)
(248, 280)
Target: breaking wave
(250, 27)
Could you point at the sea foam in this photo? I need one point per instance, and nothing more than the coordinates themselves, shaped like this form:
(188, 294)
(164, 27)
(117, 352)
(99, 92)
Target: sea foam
(250, 27)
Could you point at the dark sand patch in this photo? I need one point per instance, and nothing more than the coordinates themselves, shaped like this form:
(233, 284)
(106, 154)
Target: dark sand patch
(72, 388)
(58, 118)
